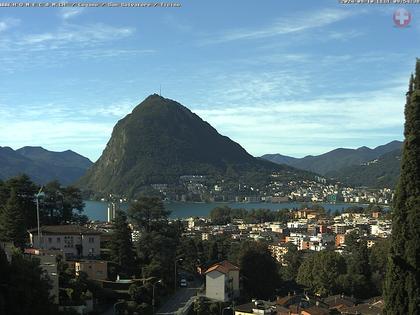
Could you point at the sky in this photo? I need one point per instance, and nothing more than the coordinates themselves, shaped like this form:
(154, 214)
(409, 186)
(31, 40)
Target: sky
(290, 77)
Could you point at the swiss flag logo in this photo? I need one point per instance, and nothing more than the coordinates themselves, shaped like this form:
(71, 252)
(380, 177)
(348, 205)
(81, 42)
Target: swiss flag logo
(402, 17)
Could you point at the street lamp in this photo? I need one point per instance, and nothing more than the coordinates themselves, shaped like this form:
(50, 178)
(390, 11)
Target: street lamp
(40, 193)
(153, 295)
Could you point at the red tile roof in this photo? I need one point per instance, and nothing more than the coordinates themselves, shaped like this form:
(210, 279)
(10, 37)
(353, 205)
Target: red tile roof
(223, 267)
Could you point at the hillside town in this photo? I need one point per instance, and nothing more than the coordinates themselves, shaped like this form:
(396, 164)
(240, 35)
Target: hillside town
(84, 251)
(277, 189)
(308, 230)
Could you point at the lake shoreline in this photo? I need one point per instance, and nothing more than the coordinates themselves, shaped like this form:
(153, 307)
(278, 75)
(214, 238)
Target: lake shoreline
(97, 210)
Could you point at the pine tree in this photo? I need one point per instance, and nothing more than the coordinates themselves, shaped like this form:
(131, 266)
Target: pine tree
(121, 244)
(213, 252)
(13, 221)
(262, 284)
(402, 283)
(26, 190)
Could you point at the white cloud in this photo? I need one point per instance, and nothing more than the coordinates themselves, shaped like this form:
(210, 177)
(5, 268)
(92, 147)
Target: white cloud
(84, 128)
(72, 34)
(285, 25)
(115, 110)
(68, 13)
(68, 42)
(87, 138)
(312, 126)
(8, 23)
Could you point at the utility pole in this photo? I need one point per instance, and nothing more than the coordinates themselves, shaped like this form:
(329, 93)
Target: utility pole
(153, 295)
(176, 262)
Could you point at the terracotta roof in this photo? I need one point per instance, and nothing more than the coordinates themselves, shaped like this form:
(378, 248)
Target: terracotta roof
(223, 267)
(339, 301)
(315, 310)
(69, 229)
(362, 309)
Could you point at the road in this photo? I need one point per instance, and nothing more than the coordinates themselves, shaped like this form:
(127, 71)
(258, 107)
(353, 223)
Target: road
(179, 299)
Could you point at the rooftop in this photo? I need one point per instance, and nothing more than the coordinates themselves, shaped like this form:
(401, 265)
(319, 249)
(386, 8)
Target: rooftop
(223, 267)
(259, 305)
(69, 229)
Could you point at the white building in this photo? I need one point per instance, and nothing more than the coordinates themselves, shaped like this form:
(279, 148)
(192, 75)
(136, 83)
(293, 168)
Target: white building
(222, 281)
(339, 228)
(73, 240)
(301, 224)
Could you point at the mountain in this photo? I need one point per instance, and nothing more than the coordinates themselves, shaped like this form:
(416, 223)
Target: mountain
(42, 165)
(67, 158)
(335, 159)
(162, 140)
(381, 172)
(280, 159)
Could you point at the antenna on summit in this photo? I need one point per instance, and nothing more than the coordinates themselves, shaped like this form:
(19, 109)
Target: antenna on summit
(160, 89)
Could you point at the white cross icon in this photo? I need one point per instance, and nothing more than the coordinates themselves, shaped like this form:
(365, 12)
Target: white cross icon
(402, 16)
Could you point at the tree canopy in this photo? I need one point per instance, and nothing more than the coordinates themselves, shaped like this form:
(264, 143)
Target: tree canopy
(259, 271)
(121, 245)
(402, 284)
(321, 272)
(24, 289)
(148, 213)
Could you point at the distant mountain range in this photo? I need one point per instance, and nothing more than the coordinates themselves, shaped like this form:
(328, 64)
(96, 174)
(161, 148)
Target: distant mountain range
(162, 140)
(381, 172)
(42, 165)
(378, 167)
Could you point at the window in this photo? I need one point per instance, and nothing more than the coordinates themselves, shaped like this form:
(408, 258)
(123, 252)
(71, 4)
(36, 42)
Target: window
(91, 240)
(58, 240)
(50, 240)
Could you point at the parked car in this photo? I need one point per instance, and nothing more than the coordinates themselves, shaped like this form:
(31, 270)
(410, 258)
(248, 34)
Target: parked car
(183, 283)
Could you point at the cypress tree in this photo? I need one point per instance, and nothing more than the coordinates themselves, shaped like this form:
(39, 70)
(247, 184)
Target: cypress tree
(13, 221)
(121, 244)
(402, 282)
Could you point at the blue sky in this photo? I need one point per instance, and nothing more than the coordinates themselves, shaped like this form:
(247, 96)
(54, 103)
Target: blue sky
(291, 77)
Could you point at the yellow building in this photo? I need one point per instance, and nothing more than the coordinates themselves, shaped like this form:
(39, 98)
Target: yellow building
(95, 269)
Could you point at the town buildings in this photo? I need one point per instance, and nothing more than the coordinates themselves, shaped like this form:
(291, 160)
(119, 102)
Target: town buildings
(73, 240)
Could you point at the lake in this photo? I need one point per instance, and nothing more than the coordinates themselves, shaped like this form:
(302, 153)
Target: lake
(97, 210)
